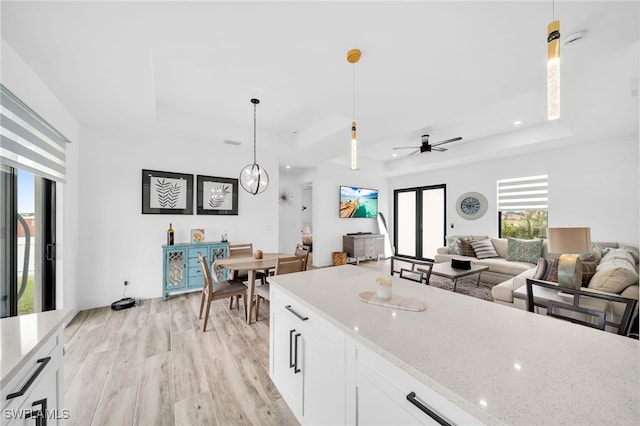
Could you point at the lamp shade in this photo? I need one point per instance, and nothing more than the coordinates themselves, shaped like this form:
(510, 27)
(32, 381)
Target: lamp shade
(569, 240)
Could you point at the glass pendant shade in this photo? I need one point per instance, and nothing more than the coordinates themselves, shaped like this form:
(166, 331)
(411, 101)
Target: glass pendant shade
(553, 71)
(254, 179)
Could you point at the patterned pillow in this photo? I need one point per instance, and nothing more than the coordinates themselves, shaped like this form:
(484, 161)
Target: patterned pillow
(466, 249)
(484, 249)
(453, 242)
(547, 270)
(524, 250)
(588, 271)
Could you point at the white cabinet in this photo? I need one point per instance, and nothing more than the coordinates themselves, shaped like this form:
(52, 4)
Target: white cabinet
(34, 396)
(307, 361)
(385, 394)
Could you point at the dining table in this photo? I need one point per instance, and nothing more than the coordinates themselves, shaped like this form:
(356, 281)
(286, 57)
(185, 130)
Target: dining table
(252, 265)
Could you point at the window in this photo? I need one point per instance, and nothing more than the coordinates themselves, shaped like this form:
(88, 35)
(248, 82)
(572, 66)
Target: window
(522, 207)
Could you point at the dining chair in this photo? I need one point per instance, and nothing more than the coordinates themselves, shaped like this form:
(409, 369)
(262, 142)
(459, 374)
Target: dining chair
(240, 250)
(284, 265)
(217, 290)
(303, 251)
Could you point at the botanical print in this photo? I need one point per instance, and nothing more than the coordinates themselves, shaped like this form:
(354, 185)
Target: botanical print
(219, 196)
(167, 193)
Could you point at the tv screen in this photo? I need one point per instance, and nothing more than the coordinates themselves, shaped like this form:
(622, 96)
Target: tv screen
(358, 202)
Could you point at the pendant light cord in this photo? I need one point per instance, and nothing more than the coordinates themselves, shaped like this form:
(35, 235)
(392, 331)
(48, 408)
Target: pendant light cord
(553, 10)
(254, 133)
(354, 93)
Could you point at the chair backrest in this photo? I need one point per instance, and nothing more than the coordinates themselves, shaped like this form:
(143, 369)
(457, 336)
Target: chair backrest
(411, 275)
(400, 263)
(206, 274)
(287, 265)
(303, 251)
(241, 249)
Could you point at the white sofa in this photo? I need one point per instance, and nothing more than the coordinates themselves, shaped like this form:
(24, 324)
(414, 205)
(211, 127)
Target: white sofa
(500, 269)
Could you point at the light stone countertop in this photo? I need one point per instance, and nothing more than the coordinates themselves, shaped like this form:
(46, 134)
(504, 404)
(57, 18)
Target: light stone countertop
(23, 335)
(498, 363)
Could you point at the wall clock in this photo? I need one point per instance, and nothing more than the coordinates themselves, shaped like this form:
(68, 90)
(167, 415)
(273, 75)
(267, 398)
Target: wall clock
(471, 205)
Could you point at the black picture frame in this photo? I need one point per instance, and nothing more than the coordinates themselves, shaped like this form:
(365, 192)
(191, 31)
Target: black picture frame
(166, 192)
(225, 200)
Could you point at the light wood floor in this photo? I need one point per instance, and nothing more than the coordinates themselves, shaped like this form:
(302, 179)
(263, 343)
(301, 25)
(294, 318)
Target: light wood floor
(153, 365)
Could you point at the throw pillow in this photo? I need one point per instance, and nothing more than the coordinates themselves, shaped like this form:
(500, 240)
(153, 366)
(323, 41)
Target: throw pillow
(588, 271)
(453, 242)
(547, 270)
(484, 249)
(524, 250)
(466, 249)
(613, 278)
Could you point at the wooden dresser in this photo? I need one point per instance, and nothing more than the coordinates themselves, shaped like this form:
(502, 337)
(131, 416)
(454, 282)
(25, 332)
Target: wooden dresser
(363, 246)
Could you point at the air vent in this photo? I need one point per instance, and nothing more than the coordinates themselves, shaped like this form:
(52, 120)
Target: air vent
(572, 38)
(234, 143)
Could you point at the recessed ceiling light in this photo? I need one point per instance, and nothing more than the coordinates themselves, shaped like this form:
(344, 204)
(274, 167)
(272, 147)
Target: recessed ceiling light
(287, 166)
(394, 154)
(517, 123)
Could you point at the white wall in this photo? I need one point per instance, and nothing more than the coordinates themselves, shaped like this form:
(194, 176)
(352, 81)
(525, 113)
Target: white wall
(594, 184)
(328, 227)
(18, 77)
(120, 243)
(290, 218)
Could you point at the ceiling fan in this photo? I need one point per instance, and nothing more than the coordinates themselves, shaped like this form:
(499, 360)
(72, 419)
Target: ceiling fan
(426, 147)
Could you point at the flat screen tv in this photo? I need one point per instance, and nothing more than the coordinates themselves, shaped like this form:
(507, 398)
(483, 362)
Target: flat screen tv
(358, 202)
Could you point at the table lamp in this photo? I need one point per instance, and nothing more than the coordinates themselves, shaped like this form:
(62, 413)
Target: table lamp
(570, 243)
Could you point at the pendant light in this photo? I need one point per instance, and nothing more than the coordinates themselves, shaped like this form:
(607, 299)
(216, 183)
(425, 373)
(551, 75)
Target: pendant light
(253, 178)
(353, 56)
(553, 68)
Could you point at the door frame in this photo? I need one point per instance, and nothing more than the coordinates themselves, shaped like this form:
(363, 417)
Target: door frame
(418, 225)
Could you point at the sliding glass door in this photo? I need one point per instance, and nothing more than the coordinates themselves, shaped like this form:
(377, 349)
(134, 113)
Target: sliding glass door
(419, 221)
(27, 242)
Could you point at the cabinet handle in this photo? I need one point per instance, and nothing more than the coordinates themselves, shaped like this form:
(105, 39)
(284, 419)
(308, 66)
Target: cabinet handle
(43, 363)
(40, 415)
(290, 309)
(296, 370)
(291, 364)
(411, 397)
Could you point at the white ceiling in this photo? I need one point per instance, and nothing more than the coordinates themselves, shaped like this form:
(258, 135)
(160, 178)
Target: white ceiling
(450, 69)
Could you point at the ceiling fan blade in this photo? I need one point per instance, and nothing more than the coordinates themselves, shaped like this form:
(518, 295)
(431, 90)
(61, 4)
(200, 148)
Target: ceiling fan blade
(439, 149)
(406, 147)
(447, 141)
(414, 152)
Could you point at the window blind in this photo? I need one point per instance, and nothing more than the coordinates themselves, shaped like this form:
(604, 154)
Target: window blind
(525, 193)
(27, 141)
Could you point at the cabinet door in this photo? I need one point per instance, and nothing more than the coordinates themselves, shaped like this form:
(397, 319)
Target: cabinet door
(323, 375)
(175, 269)
(284, 332)
(218, 252)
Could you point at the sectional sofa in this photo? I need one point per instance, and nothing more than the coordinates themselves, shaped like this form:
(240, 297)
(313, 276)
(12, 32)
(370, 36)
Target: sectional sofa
(610, 268)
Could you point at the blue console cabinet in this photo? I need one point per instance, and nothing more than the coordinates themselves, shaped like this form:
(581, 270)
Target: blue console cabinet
(181, 266)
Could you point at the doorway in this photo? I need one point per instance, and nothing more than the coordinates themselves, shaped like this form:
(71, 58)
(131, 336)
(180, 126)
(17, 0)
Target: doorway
(419, 221)
(306, 217)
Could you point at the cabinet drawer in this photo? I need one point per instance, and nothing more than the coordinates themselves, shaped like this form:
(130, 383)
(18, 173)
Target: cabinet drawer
(194, 271)
(378, 380)
(51, 355)
(194, 262)
(193, 252)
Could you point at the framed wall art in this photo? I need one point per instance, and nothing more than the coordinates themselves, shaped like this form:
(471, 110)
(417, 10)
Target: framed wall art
(166, 192)
(217, 195)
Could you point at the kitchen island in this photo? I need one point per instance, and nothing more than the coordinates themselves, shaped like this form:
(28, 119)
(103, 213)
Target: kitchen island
(473, 361)
(32, 367)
